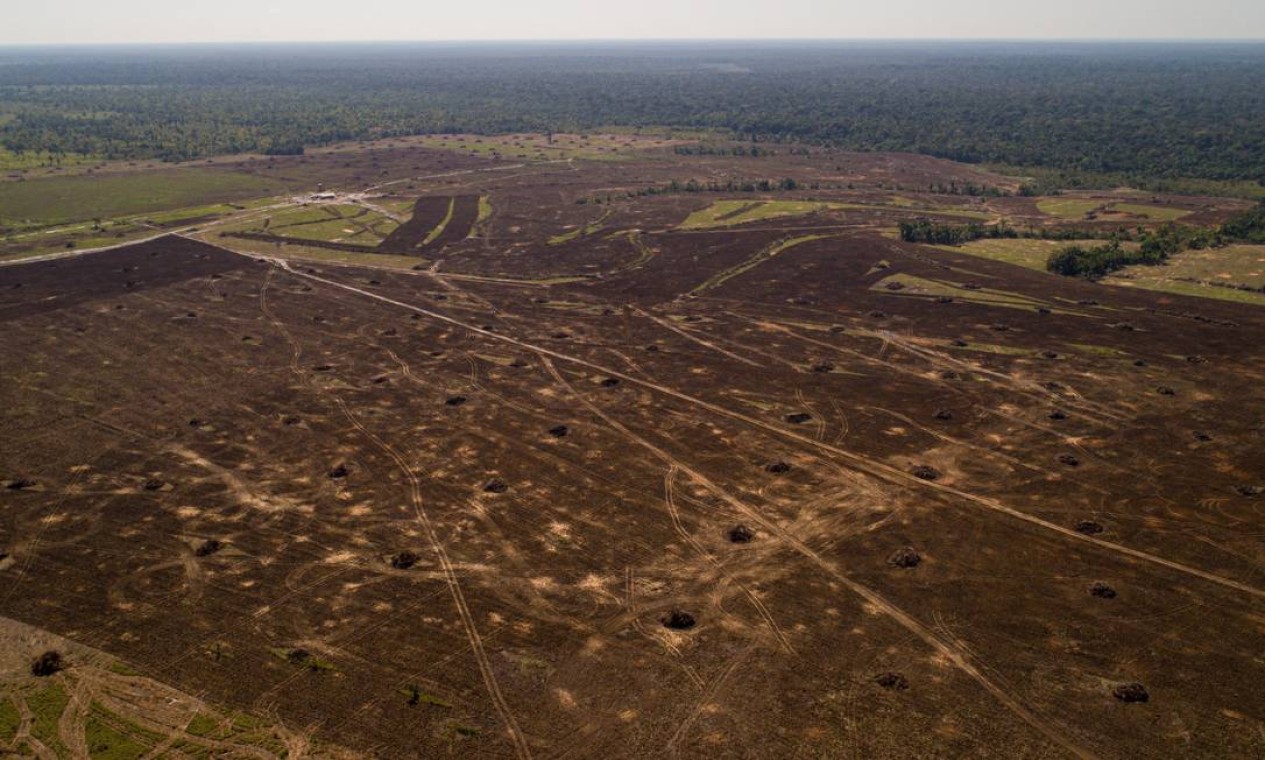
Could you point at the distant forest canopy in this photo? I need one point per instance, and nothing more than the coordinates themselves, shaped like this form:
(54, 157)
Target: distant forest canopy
(1146, 110)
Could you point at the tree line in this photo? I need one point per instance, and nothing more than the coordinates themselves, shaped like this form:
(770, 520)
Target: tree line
(1158, 111)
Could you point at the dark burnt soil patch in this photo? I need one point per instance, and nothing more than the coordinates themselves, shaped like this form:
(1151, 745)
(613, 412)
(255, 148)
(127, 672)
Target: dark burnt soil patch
(892, 681)
(1089, 528)
(678, 620)
(408, 237)
(48, 664)
(906, 557)
(208, 547)
(404, 560)
(740, 534)
(100, 275)
(1102, 590)
(925, 472)
(1131, 693)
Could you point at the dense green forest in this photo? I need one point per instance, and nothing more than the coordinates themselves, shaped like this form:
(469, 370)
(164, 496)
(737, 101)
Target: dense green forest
(1139, 110)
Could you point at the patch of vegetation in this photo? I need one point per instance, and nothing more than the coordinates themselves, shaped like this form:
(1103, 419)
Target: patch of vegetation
(1230, 273)
(1046, 180)
(105, 743)
(485, 213)
(1155, 246)
(123, 669)
(1025, 252)
(418, 697)
(60, 200)
(590, 228)
(304, 659)
(730, 213)
(1093, 262)
(1248, 227)
(1154, 111)
(208, 726)
(47, 706)
(1068, 208)
(941, 233)
(443, 223)
(468, 732)
(10, 719)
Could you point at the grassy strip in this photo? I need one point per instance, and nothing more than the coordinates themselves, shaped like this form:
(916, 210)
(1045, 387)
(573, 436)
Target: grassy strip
(439, 228)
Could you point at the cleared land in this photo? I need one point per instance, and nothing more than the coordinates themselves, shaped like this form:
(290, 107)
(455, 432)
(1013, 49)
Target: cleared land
(785, 488)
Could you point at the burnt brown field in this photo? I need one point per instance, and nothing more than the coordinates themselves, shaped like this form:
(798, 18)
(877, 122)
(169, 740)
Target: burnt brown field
(781, 488)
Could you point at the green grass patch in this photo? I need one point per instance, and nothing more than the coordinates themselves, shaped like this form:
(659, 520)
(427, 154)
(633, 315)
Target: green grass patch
(105, 743)
(123, 669)
(10, 720)
(208, 726)
(734, 212)
(47, 706)
(1089, 348)
(15, 162)
(443, 224)
(1207, 273)
(1068, 208)
(334, 230)
(61, 200)
(485, 213)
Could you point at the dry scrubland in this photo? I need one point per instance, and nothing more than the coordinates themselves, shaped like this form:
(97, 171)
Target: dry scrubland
(453, 464)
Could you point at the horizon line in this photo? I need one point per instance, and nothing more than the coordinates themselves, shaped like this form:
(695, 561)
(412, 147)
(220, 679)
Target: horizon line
(635, 40)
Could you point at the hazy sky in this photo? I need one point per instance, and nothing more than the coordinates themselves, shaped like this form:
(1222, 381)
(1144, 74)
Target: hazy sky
(54, 21)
